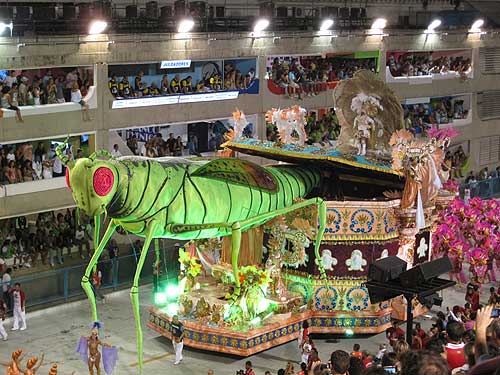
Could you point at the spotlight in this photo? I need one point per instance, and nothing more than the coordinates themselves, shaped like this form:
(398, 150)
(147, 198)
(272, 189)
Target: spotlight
(260, 25)
(476, 26)
(4, 26)
(185, 26)
(326, 24)
(433, 26)
(97, 27)
(379, 24)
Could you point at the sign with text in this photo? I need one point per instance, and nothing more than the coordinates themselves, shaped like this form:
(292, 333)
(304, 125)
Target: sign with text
(174, 99)
(175, 64)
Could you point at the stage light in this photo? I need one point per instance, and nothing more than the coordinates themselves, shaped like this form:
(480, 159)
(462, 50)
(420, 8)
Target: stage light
(326, 24)
(255, 321)
(185, 26)
(172, 309)
(476, 26)
(160, 298)
(97, 27)
(349, 332)
(433, 26)
(261, 25)
(379, 24)
(172, 291)
(4, 26)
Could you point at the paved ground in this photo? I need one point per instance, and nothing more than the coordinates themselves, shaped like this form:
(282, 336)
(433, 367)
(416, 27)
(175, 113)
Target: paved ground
(56, 331)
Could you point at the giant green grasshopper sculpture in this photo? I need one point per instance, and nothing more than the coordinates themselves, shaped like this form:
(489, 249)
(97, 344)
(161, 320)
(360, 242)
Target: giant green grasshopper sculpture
(183, 200)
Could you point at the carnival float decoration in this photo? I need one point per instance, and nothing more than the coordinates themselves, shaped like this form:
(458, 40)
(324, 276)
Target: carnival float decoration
(269, 247)
(14, 367)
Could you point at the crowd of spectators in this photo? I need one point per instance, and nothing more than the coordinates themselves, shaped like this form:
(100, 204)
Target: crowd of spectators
(461, 341)
(20, 163)
(411, 64)
(420, 117)
(48, 240)
(231, 79)
(23, 88)
(307, 75)
(156, 146)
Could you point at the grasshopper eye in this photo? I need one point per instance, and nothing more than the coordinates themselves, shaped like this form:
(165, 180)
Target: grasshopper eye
(67, 179)
(103, 181)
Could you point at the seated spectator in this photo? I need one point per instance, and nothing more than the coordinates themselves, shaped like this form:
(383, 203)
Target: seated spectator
(138, 84)
(8, 102)
(151, 90)
(124, 88)
(165, 85)
(187, 85)
(175, 84)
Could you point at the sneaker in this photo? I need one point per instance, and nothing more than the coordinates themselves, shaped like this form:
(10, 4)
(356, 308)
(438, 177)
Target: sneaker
(176, 363)
(23, 329)
(14, 329)
(5, 338)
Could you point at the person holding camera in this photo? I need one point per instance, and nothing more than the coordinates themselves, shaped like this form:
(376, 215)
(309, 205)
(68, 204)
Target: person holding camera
(177, 338)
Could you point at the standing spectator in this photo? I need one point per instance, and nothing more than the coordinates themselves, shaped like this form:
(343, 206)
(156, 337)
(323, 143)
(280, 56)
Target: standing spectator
(313, 361)
(6, 279)
(177, 338)
(356, 351)
(124, 88)
(76, 97)
(23, 91)
(81, 239)
(51, 92)
(19, 304)
(394, 333)
(165, 85)
(248, 368)
(138, 85)
(96, 283)
(113, 256)
(339, 362)
(11, 78)
(113, 85)
(455, 348)
(116, 152)
(416, 341)
(60, 90)
(71, 79)
(3, 314)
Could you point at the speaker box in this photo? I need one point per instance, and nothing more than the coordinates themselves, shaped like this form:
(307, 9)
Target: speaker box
(424, 272)
(386, 269)
(131, 11)
(378, 295)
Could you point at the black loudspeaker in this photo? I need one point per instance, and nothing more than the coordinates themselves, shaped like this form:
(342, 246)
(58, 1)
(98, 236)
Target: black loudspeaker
(424, 272)
(378, 295)
(131, 11)
(220, 12)
(386, 269)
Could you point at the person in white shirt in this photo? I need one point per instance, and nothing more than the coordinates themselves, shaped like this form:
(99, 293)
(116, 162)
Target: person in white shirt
(18, 309)
(116, 153)
(11, 78)
(57, 168)
(6, 286)
(81, 240)
(3, 314)
(76, 97)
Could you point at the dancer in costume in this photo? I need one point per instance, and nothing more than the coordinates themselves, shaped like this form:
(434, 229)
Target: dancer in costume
(13, 368)
(88, 348)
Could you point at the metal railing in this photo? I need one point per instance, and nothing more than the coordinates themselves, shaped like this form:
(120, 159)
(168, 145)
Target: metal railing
(485, 189)
(61, 285)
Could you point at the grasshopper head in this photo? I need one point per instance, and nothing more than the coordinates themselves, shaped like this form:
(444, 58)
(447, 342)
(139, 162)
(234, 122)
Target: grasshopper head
(93, 184)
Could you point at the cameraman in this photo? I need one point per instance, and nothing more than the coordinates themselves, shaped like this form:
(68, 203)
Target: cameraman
(248, 368)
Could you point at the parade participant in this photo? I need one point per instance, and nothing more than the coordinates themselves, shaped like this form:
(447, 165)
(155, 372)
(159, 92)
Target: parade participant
(177, 338)
(3, 314)
(18, 309)
(13, 368)
(88, 348)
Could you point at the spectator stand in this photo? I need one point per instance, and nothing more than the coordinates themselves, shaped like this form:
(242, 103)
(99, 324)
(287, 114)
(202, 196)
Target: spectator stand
(182, 81)
(48, 90)
(421, 114)
(28, 167)
(194, 139)
(310, 75)
(423, 67)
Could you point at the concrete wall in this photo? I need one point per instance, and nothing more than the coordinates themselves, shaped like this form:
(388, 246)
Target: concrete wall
(103, 50)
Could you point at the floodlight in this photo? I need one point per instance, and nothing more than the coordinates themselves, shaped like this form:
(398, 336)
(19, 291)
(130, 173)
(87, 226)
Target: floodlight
(476, 26)
(97, 27)
(433, 26)
(185, 26)
(326, 24)
(260, 25)
(379, 24)
(4, 26)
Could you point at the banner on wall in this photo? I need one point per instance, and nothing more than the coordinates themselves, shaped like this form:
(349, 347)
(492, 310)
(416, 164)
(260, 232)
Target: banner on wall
(175, 64)
(143, 134)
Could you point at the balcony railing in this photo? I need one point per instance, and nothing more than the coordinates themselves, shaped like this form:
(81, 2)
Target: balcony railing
(485, 189)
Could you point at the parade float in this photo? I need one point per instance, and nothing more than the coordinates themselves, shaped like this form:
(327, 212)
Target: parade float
(382, 191)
